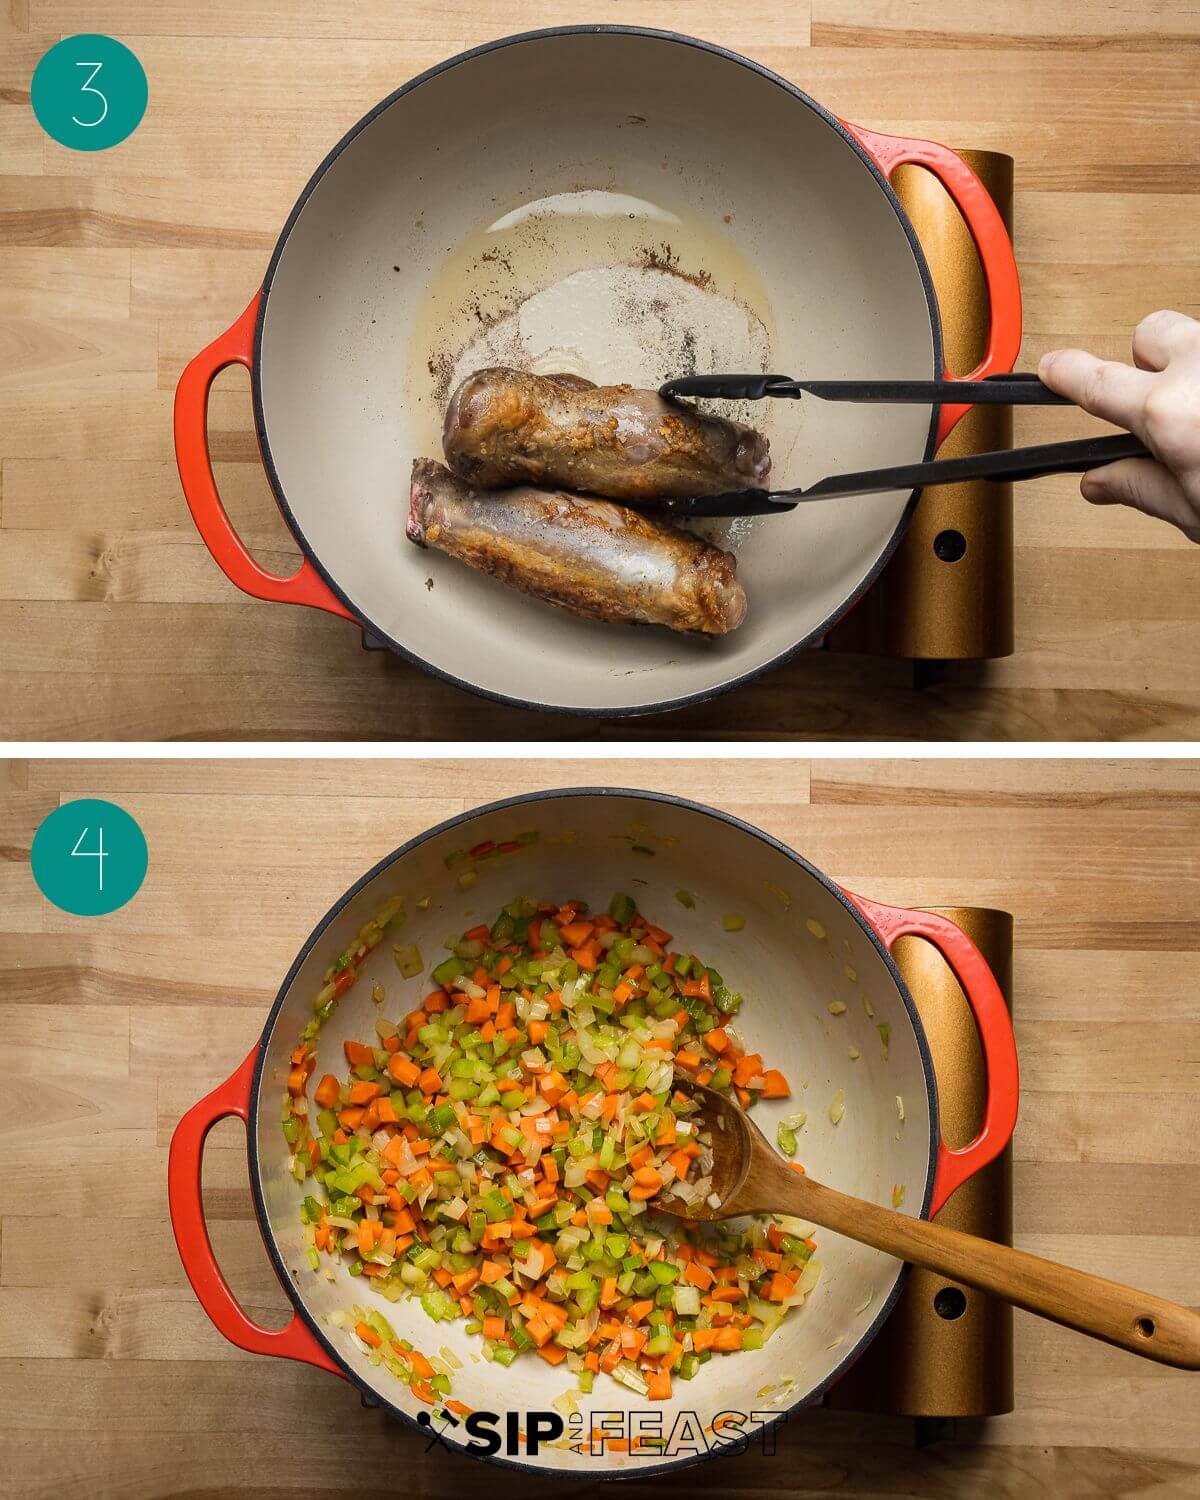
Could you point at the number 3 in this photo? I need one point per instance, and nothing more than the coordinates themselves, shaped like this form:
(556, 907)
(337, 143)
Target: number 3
(88, 89)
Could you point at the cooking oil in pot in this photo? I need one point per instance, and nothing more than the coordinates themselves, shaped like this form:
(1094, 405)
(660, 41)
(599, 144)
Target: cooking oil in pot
(594, 283)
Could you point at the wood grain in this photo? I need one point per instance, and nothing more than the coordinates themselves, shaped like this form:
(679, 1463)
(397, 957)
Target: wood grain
(143, 1011)
(116, 266)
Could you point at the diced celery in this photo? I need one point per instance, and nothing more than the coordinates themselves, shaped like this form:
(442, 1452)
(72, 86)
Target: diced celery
(496, 1206)
(449, 968)
(621, 908)
(686, 1300)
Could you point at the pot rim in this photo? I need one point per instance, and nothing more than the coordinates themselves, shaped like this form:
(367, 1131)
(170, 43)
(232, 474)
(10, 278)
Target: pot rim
(525, 799)
(704, 695)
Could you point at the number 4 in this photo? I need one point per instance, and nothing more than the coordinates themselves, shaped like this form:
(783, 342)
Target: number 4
(97, 853)
(88, 89)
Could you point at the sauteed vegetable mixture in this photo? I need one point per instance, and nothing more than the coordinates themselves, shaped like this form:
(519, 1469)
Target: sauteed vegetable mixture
(497, 1152)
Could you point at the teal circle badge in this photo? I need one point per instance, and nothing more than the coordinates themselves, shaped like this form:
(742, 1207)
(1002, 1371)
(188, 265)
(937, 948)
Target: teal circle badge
(89, 92)
(89, 857)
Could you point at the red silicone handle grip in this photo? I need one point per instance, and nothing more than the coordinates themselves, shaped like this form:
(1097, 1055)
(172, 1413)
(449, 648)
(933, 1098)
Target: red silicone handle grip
(994, 1023)
(191, 1233)
(986, 227)
(306, 586)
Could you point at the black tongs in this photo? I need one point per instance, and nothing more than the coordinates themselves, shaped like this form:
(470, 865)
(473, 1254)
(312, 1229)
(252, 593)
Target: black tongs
(1009, 464)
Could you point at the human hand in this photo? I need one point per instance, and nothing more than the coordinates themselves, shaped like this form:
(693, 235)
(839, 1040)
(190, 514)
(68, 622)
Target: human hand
(1159, 402)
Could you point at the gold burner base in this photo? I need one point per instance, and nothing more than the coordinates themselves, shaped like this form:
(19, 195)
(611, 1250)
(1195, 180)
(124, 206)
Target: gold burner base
(930, 603)
(924, 1363)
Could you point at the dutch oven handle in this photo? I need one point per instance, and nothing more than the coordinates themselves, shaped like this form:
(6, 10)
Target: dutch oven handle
(294, 1341)
(306, 586)
(987, 229)
(993, 1022)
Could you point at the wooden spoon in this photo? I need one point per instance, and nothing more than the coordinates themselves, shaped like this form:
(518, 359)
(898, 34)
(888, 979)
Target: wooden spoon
(750, 1177)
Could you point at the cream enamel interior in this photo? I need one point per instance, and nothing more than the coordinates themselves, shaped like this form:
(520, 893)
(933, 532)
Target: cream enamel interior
(484, 137)
(788, 976)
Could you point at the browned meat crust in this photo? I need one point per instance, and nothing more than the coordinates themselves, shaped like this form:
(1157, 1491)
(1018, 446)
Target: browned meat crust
(591, 557)
(506, 426)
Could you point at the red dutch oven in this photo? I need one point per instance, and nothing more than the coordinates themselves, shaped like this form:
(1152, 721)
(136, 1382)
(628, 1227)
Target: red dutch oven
(805, 943)
(629, 205)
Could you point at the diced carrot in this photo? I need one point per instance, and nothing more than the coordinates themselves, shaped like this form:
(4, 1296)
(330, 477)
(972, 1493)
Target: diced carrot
(538, 1330)
(631, 1341)
(363, 1093)
(716, 1040)
(537, 1032)
(368, 1335)
(747, 1067)
(658, 1385)
(327, 1091)
(403, 1070)
(358, 1055)
(430, 1081)
(775, 1085)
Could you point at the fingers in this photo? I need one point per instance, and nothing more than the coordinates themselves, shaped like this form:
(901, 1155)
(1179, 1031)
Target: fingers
(1146, 486)
(1115, 392)
(1160, 337)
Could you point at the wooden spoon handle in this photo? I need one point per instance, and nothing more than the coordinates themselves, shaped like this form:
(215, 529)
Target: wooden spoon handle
(1133, 1320)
